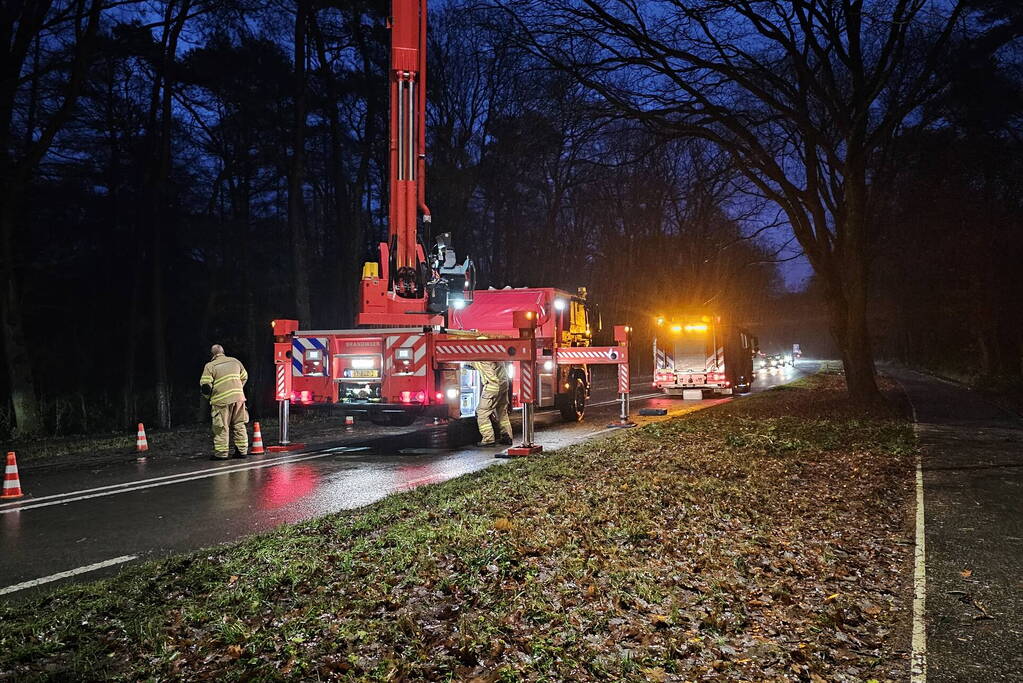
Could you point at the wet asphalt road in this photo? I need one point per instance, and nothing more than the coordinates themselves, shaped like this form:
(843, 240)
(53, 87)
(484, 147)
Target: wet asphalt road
(92, 521)
(973, 502)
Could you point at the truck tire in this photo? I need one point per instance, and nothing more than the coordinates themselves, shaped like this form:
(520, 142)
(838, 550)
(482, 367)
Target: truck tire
(572, 403)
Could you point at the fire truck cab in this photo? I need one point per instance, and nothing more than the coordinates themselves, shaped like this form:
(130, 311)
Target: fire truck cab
(702, 352)
(563, 320)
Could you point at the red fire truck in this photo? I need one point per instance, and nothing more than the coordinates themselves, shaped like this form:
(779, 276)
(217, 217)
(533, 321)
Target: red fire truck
(702, 352)
(393, 375)
(420, 310)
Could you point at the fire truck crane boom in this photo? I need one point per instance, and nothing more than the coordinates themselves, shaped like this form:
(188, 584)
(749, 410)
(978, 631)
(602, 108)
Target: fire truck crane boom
(409, 286)
(407, 144)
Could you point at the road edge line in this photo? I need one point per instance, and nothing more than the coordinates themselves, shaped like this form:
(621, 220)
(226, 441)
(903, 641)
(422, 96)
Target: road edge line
(215, 472)
(63, 575)
(918, 658)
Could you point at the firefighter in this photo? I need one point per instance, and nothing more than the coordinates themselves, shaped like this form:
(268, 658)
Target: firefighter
(493, 403)
(222, 382)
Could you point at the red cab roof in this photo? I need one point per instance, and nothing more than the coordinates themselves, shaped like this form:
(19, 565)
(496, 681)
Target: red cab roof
(491, 310)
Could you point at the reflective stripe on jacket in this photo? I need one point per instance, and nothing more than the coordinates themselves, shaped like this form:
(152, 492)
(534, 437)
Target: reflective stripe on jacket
(227, 377)
(493, 376)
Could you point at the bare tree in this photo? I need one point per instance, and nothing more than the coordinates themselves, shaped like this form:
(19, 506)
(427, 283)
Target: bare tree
(46, 44)
(806, 95)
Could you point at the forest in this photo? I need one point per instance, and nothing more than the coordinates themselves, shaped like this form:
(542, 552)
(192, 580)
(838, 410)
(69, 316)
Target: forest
(179, 173)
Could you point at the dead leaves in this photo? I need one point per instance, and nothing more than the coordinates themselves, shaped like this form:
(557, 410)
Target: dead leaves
(656, 674)
(660, 621)
(661, 553)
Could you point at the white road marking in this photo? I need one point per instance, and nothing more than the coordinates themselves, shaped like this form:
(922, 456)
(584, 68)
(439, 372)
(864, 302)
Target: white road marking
(220, 468)
(63, 575)
(918, 661)
(918, 670)
(127, 487)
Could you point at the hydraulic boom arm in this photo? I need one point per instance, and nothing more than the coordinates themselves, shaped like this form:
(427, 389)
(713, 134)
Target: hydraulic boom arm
(407, 287)
(408, 143)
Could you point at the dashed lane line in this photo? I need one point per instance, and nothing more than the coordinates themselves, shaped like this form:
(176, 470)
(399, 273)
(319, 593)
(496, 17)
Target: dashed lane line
(73, 496)
(63, 575)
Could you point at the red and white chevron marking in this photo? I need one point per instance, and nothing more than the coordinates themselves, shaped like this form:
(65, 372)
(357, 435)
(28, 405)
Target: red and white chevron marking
(526, 373)
(282, 389)
(479, 347)
(405, 354)
(593, 355)
(452, 352)
(623, 378)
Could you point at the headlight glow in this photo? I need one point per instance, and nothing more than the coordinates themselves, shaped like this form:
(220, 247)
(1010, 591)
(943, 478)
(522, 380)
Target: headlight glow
(559, 304)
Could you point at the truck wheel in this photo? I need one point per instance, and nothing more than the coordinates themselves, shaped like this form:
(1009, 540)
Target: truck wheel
(572, 403)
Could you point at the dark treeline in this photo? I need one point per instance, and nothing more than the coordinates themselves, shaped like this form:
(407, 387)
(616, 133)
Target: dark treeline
(180, 172)
(949, 282)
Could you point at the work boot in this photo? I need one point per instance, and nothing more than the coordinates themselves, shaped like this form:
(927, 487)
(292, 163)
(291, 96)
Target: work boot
(485, 444)
(219, 457)
(506, 440)
(238, 454)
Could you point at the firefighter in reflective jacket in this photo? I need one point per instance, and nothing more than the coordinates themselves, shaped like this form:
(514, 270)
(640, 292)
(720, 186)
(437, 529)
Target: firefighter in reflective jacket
(223, 381)
(493, 403)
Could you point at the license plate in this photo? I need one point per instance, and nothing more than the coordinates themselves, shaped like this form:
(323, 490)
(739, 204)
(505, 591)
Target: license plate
(363, 373)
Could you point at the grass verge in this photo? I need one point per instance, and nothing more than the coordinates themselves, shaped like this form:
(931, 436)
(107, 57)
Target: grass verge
(763, 539)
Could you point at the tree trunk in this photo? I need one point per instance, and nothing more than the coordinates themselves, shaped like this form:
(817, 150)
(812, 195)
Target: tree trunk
(162, 387)
(160, 207)
(296, 201)
(28, 419)
(854, 338)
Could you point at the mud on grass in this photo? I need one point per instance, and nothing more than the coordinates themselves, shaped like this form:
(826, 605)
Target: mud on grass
(762, 540)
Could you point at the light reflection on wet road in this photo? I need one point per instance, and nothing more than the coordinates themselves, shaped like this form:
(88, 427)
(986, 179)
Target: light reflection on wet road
(79, 518)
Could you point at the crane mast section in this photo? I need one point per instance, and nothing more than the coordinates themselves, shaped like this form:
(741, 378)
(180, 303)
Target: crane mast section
(407, 142)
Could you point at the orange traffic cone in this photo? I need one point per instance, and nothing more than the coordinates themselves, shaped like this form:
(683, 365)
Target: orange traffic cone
(141, 444)
(12, 483)
(349, 423)
(257, 440)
